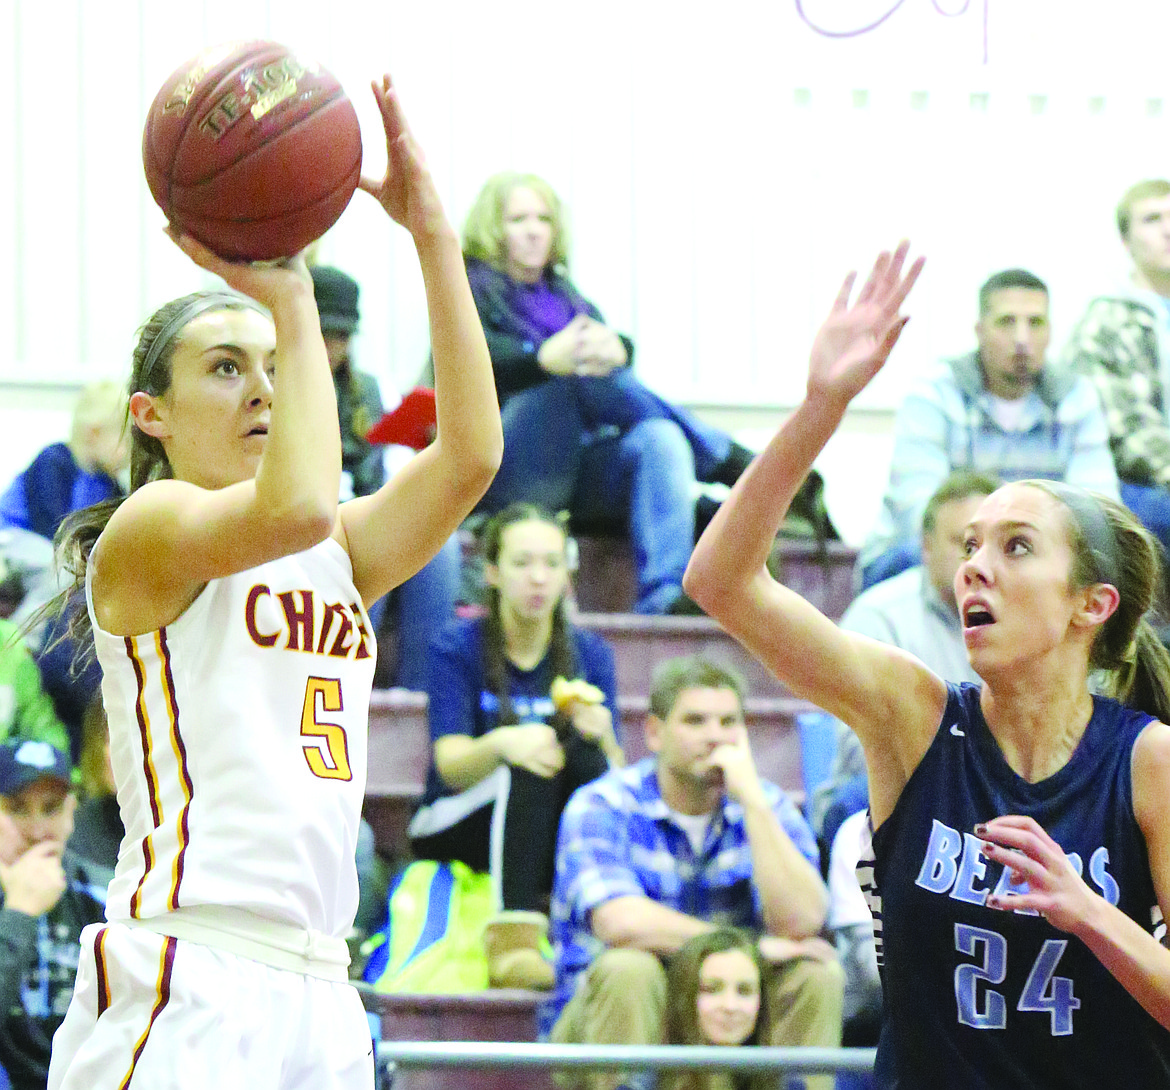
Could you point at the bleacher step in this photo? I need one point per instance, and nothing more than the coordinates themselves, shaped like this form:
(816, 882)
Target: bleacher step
(494, 1015)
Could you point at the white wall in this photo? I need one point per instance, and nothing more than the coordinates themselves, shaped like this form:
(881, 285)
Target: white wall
(724, 165)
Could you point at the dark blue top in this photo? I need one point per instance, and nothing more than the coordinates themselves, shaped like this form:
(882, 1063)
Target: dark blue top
(978, 997)
(53, 486)
(460, 702)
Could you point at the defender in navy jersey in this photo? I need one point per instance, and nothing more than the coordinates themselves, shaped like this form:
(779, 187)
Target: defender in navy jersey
(1020, 867)
(227, 600)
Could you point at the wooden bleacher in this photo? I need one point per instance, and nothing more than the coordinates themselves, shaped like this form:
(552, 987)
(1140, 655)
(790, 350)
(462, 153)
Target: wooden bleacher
(496, 1015)
(823, 574)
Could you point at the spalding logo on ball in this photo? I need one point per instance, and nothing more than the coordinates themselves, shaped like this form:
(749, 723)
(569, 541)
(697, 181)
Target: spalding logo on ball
(252, 150)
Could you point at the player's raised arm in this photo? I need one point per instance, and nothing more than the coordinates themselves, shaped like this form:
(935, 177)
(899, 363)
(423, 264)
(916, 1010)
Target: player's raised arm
(391, 534)
(854, 678)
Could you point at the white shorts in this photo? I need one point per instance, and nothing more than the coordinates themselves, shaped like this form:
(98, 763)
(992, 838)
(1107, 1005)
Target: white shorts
(161, 1013)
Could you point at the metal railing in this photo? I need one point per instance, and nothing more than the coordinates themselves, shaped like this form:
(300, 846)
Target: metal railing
(497, 1054)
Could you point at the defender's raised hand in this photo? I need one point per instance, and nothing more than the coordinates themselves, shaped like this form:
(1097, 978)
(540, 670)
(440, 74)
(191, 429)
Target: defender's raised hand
(855, 340)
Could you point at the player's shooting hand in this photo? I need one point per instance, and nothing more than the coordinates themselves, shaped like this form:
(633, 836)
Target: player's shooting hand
(532, 746)
(266, 282)
(1055, 890)
(406, 191)
(36, 881)
(856, 339)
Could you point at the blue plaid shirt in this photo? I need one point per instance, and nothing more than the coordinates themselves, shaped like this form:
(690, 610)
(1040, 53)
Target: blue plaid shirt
(618, 839)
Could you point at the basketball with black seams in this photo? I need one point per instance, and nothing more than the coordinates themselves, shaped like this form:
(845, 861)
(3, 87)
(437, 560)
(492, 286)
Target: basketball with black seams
(253, 150)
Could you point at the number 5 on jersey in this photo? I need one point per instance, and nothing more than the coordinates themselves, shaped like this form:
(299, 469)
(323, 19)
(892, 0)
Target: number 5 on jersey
(325, 745)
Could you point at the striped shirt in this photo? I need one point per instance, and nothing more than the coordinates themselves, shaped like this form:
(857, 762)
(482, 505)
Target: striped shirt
(618, 838)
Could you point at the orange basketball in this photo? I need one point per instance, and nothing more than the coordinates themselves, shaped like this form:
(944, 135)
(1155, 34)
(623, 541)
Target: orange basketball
(252, 150)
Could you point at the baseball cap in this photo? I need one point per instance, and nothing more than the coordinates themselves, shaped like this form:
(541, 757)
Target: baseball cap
(23, 763)
(337, 299)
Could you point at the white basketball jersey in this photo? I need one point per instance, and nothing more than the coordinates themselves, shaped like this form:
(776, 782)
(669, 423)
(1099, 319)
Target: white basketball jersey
(238, 742)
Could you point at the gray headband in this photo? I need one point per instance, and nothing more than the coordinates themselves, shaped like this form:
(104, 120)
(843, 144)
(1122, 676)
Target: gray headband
(201, 304)
(1094, 529)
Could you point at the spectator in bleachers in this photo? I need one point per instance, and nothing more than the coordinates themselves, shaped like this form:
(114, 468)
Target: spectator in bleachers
(414, 612)
(1003, 409)
(688, 840)
(580, 431)
(717, 994)
(49, 895)
(508, 748)
(1123, 344)
(66, 477)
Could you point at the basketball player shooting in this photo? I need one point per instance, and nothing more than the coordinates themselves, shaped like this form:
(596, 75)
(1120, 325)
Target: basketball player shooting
(227, 598)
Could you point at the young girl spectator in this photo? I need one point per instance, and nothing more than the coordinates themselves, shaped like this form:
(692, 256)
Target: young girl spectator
(1021, 869)
(581, 433)
(716, 995)
(505, 757)
(227, 599)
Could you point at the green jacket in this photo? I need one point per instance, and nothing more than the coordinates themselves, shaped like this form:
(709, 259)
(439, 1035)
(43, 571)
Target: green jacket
(25, 709)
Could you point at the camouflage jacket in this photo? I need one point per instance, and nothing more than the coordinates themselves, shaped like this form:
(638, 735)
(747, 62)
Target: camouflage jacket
(1116, 344)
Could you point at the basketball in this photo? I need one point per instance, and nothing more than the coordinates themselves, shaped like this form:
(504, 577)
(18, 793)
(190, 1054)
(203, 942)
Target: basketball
(252, 150)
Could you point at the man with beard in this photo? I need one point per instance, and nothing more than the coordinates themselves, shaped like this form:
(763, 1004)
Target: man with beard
(686, 840)
(1002, 409)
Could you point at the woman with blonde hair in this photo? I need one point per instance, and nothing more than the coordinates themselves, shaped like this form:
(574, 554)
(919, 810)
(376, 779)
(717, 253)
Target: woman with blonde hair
(580, 431)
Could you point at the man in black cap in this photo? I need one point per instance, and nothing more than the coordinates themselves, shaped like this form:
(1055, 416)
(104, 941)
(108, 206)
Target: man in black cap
(359, 402)
(422, 605)
(49, 895)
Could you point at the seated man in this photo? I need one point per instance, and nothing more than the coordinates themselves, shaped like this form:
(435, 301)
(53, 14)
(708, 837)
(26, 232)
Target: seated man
(684, 841)
(49, 895)
(1123, 344)
(1002, 409)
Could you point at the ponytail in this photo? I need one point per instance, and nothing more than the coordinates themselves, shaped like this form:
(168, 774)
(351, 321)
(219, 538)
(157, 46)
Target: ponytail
(1142, 682)
(1126, 647)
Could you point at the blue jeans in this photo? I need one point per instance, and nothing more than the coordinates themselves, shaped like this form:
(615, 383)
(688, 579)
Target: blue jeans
(607, 447)
(420, 607)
